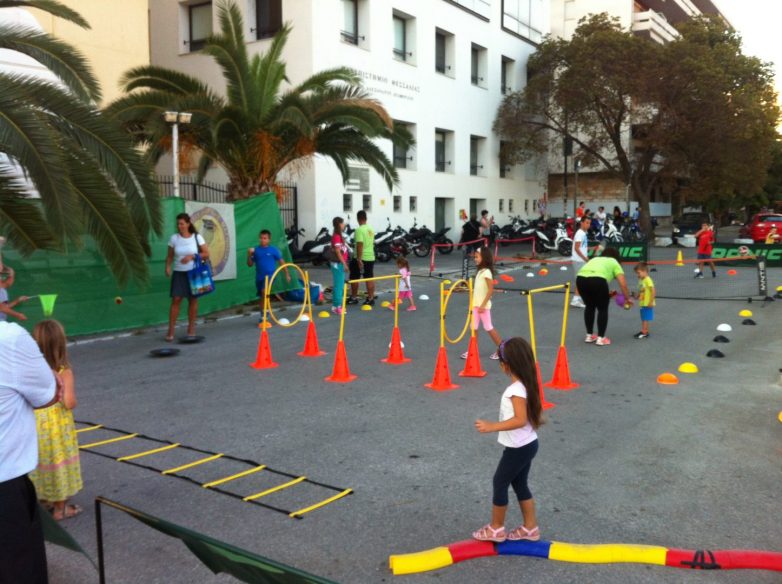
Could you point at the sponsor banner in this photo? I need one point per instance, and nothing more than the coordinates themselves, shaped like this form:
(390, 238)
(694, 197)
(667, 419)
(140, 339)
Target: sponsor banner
(772, 254)
(629, 251)
(215, 222)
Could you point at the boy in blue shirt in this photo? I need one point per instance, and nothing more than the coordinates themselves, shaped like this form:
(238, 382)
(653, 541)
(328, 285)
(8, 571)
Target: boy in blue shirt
(265, 257)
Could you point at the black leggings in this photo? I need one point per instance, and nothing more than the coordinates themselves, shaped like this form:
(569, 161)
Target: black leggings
(594, 293)
(513, 470)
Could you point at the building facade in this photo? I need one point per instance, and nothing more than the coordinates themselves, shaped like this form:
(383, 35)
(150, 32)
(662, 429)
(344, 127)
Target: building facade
(440, 67)
(654, 19)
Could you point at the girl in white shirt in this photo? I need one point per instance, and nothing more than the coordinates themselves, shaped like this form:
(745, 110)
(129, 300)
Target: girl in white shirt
(520, 415)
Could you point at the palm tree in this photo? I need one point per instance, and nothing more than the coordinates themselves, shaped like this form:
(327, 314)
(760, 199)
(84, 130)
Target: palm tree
(66, 170)
(257, 129)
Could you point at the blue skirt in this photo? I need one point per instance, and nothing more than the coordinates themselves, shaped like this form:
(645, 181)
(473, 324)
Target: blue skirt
(180, 285)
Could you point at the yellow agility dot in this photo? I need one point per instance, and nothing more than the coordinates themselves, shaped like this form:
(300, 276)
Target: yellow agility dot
(366, 307)
(745, 314)
(324, 314)
(688, 368)
(385, 304)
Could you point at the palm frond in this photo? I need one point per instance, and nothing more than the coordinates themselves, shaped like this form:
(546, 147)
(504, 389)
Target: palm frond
(21, 218)
(53, 7)
(229, 51)
(162, 79)
(323, 79)
(66, 62)
(343, 144)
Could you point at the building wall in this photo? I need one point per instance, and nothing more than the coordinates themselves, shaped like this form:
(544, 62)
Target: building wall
(413, 92)
(565, 14)
(118, 38)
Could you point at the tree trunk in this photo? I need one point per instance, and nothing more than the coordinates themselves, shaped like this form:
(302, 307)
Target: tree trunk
(642, 195)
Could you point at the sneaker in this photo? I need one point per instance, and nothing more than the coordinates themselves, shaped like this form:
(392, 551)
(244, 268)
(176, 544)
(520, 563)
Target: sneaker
(602, 341)
(411, 309)
(699, 275)
(336, 310)
(352, 300)
(391, 307)
(590, 338)
(641, 335)
(463, 355)
(577, 303)
(370, 301)
(495, 356)
(714, 274)
(522, 532)
(487, 533)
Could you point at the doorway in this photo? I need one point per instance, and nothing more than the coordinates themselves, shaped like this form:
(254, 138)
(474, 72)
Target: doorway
(476, 206)
(443, 213)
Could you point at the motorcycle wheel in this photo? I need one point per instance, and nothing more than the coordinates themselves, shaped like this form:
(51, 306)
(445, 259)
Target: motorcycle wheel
(447, 247)
(565, 248)
(422, 249)
(318, 260)
(539, 247)
(383, 255)
(617, 238)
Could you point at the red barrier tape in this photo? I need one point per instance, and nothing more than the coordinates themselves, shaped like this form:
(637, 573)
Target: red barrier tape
(436, 245)
(521, 240)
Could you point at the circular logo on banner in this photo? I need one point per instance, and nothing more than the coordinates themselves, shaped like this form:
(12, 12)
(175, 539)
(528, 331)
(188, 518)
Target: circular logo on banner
(213, 229)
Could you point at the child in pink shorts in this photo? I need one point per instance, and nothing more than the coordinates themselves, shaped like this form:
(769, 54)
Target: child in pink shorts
(482, 290)
(405, 287)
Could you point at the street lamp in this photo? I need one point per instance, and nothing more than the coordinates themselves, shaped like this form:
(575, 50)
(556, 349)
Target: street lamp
(176, 118)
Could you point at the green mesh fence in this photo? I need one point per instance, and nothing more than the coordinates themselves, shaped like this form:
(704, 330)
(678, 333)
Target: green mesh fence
(90, 301)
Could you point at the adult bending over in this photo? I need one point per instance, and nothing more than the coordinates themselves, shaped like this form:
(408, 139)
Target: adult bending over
(592, 284)
(182, 249)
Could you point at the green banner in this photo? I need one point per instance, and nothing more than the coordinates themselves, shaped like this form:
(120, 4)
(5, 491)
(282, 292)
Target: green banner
(771, 253)
(629, 251)
(89, 300)
(220, 557)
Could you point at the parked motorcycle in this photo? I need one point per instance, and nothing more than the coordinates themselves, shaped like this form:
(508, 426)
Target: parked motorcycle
(551, 236)
(445, 245)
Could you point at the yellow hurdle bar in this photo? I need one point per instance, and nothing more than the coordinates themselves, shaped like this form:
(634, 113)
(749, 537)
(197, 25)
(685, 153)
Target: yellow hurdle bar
(375, 279)
(274, 489)
(147, 452)
(301, 512)
(109, 441)
(191, 464)
(546, 289)
(87, 429)
(244, 473)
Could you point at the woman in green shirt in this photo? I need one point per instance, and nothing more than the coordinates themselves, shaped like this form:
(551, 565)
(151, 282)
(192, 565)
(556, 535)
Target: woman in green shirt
(592, 284)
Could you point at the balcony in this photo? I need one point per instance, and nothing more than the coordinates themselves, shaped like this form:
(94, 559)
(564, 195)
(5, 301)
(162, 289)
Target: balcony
(653, 25)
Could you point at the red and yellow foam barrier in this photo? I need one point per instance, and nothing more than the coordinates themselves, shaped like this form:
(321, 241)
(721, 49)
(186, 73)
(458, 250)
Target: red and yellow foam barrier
(611, 553)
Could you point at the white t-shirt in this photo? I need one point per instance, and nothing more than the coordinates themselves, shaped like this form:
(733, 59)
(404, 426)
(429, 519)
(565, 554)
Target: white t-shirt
(184, 246)
(480, 289)
(26, 382)
(520, 436)
(404, 282)
(601, 216)
(579, 237)
(3, 299)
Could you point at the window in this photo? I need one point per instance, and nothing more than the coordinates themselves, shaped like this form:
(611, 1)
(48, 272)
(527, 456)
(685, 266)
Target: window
(413, 205)
(477, 144)
(366, 202)
(402, 157)
(478, 65)
(350, 24)
(268, 18)
(347, 203)
(505, 167)
(506, 75)
(526, 206)
(439, 52)
(501, 205)
(200, 20)
(510, 205)
(400, 38)
(524, 18)
(439, 150)
(397, 203)
(480, 7)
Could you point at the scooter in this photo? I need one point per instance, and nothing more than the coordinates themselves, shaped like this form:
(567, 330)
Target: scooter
(440, 239)
(552, 236)
(292, 235)
(315, 248)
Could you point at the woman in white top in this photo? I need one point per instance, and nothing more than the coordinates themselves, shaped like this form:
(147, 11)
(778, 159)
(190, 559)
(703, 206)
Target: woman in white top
(182, 249)
(520, 416)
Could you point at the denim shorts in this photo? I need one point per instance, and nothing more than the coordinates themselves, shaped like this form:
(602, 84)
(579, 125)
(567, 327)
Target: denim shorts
(647, 313)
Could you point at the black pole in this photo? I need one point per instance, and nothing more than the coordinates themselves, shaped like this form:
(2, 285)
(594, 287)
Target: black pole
(99, 533)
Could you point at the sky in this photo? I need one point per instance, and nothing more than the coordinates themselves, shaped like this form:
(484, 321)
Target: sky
(758, 22)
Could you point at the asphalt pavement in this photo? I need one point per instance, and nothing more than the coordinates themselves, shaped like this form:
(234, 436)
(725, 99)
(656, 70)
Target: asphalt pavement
(622, 459)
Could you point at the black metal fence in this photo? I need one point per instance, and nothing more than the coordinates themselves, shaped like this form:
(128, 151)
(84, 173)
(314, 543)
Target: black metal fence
(212, 192)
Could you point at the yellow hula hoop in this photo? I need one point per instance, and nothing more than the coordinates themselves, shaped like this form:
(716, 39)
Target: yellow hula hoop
(303, 304)
(445, 310)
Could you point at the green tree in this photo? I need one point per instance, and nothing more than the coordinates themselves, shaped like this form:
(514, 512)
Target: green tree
(258, 128)
(86, 175)
(694, 117)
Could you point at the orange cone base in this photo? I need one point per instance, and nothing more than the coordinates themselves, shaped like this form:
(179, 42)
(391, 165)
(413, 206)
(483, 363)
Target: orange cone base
(561, 379)
(311, 348)
(264, 358)
(341, 372)
(442, 376)
(472, 367)
(546, 405)
(396, 355)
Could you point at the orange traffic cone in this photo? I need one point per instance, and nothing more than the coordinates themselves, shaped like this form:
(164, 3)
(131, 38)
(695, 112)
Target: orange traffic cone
(472, 367)
(442, 376)
(543, 403)
(396, 355)
(311, 348)
(264, 358)
(561, 379)
(341, 371)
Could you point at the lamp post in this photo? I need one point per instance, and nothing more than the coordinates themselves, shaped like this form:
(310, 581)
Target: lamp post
(176, 118)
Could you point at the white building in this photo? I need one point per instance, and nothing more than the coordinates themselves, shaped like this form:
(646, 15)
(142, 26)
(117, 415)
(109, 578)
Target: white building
(439, 66)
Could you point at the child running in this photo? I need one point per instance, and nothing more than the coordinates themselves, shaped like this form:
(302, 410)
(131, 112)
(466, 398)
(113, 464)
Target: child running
(405, 287)
(520, 415)
(705, 239)
(482, 290)
(58, 476)
(646, 296)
